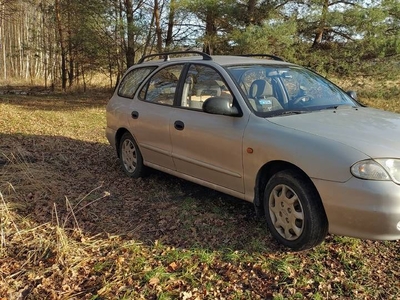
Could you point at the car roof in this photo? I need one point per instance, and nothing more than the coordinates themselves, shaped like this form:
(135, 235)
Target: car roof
(223, 60)
(237, 60)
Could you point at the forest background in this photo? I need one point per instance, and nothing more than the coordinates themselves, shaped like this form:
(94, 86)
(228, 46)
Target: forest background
(67, 43)
(73, 226)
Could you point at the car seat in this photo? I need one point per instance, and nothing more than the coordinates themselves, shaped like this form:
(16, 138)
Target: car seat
(262, 98)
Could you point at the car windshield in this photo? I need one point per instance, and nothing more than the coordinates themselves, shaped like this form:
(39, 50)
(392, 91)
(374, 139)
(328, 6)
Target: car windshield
(281, 90)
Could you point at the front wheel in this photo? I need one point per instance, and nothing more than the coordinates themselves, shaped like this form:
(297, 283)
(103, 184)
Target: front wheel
(294, 211)
(130, 157)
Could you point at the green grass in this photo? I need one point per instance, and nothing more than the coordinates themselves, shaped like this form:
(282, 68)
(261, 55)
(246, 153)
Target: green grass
(73, 226)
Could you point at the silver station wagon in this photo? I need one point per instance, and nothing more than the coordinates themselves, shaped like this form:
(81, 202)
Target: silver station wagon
(306, 154)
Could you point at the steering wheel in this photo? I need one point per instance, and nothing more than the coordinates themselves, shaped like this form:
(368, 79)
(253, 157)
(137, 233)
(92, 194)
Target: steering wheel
(304, 98)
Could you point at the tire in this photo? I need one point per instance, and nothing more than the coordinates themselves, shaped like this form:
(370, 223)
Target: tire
(294, 211)
(130, 156)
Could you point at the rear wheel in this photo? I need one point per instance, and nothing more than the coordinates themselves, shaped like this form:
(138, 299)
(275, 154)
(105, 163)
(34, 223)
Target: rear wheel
(294, 211)
(130, 157)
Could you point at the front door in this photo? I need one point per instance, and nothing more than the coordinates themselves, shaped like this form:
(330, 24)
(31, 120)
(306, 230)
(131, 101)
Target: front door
(206, 146)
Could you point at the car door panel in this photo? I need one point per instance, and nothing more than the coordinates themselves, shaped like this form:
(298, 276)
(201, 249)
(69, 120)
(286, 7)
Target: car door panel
(209, 147)
(151, 131)
(150, 116)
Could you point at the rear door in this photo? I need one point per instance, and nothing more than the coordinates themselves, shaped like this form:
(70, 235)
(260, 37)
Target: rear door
(150, 116)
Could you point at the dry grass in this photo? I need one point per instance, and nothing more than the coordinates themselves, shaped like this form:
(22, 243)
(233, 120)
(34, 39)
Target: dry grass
(383, 94)
(74, 227)
(93, 80)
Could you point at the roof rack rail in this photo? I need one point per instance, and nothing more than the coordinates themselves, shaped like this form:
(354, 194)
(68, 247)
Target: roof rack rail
(167, 54)
(274, 57)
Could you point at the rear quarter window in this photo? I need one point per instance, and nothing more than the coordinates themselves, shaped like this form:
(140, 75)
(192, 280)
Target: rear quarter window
(132, 80)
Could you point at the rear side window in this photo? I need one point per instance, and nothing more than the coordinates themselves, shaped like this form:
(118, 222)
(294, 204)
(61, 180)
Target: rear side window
(162, 86)
(132, 80)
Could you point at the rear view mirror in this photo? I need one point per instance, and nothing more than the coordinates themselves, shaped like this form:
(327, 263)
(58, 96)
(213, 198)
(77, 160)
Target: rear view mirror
(220, 106)
(352, 94)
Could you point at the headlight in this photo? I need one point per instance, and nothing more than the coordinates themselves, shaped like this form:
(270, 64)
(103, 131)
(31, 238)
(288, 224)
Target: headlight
(378, 169)
(392, 166)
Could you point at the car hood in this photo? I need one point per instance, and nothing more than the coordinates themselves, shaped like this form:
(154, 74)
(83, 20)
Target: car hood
(373, 132)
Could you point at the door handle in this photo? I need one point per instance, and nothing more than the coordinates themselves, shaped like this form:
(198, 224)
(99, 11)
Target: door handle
(135, 114)
(179, 125)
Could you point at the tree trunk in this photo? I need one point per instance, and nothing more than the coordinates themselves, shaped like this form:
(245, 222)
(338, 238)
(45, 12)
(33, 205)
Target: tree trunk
(130, 49)
(71, 71)
(149, 37)
(2, 39)
(171, 18)
(321, 26)
(62, 45)
(210, 33)
(251, 10)
(158, 26)
(44, 45)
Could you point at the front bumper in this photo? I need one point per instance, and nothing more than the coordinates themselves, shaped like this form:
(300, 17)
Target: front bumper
(362, 208)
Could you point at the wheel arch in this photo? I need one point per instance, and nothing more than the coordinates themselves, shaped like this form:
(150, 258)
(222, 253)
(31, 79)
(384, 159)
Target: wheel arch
(264, 175)
(118, 135)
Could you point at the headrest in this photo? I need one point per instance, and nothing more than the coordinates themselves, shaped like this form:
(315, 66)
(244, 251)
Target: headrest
(260, 88)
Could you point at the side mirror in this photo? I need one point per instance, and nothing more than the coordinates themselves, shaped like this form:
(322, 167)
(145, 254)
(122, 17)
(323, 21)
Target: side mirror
(220, 106)
(352, 94)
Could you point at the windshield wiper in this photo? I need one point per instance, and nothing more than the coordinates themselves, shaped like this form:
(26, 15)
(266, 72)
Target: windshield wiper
(340, 106)
(289, 112)
(294, 112)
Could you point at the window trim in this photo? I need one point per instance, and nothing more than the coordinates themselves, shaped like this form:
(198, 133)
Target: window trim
(146, 82)
(186, 71)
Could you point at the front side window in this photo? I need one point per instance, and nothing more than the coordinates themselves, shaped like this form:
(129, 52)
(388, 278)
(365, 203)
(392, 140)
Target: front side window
(132, 80)
(162, 86)
(202, 82)
(276, 90)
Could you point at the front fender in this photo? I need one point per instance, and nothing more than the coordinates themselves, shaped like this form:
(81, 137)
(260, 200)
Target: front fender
(318, 157)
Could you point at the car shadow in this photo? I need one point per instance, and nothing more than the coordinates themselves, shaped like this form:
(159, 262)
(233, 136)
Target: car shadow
(79, 185)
